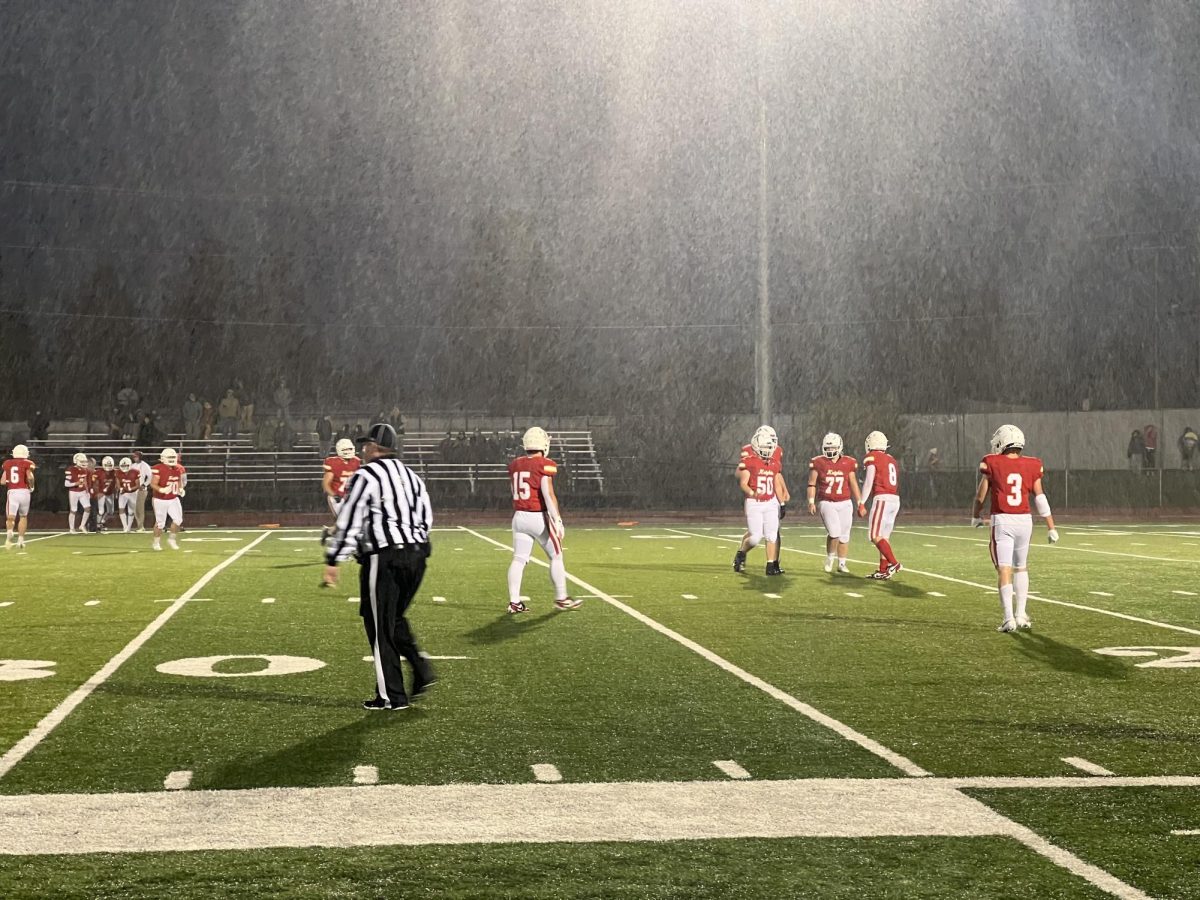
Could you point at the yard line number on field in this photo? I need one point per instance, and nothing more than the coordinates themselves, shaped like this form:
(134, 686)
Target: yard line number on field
(54, 718)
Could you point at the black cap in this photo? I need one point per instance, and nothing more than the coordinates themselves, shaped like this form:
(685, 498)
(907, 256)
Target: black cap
(380, 433)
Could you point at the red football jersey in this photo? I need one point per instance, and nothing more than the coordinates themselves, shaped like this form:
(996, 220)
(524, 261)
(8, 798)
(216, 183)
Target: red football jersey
(1010, 481)
(103, 482)
(525, 474)
(762, 474)
(16, 473)
(77, 478)
(170, 480)
(833, 476)
(887, 472)
(129, 482)
(342, 469)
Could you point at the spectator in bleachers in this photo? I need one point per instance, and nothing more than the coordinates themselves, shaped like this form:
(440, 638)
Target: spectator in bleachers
(127, 398)
(39, 426)
(283, 401)
(114, 426)
(264, 438)
(208, 418)
(283, 436)
(147, 433)
(246, 399)
(445, 446)
(228, 412)
(192, 411)
(1136, 451)
(345, 433)
(129, 424)
(324, 431)
(397, 420)
(1188, 442)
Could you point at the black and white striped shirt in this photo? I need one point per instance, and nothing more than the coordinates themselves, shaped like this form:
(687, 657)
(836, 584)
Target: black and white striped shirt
(386, 505)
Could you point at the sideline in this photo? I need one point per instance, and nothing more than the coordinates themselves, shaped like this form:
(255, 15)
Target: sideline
(54, 718)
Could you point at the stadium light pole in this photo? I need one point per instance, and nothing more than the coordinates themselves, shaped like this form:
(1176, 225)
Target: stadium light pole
(762, 345)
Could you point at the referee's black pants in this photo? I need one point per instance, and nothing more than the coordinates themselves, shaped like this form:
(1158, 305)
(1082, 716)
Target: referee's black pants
(388, 581)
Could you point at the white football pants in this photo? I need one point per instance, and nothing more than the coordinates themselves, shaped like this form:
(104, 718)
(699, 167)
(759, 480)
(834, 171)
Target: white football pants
(1011, 533)
(881, 521)
(762, 520)
(838, 516)
(528, 527)
(164, 508)
(17, 504)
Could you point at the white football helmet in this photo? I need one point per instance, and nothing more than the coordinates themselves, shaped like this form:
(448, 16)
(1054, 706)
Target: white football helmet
(168, 457)
(345, 448)
(764, 441)
(79, 459)
(20, 452)
(876, 440)
(125, 464)
(831, 445)
(536, 439)
(1007, 437)
(107, 463)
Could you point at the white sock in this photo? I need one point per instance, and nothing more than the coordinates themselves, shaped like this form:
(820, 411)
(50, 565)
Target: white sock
(70, 521)
(515, 570)
(829, 557)
(1006, 601)
(558, 577)
(1021, 588)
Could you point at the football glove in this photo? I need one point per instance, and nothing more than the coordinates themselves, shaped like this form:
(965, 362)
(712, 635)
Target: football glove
(1052, 535)
(976, 522)
(782, 511)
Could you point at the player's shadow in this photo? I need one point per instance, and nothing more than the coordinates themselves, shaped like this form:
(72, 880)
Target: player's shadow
(302, 565)
(326, 758)
(1065, 658)
(508, 626)
(899, 589)
(171, 690)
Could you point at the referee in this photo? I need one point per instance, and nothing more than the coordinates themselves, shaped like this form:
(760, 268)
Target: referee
(384, 523)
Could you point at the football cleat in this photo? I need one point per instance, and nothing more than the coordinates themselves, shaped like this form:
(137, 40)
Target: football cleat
(773, 568)
(379, 703)
(842, 569)
(879, 576)
(567, 603)
(516, 606)
(1007, 626)
(156, 546)
(828, 565)
(739, 561)
(893, 568)
(1024, 623)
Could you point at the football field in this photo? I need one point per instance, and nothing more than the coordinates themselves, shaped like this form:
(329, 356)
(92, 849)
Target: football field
(187, 723)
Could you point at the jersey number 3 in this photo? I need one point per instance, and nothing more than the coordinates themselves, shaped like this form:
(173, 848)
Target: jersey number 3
(1014, 490)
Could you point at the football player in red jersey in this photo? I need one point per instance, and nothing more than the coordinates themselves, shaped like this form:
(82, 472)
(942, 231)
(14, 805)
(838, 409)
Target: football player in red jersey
(17, 473)
(833, 482)
(79, 492)
(338, 470)
(129, 481)
(760, 477)
(536, 517)
(1009, 477)
(168, 483)
(104, 487)
(883, 477)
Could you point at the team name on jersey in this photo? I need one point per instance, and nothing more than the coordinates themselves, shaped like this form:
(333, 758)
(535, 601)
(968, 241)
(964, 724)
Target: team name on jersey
(762, 475)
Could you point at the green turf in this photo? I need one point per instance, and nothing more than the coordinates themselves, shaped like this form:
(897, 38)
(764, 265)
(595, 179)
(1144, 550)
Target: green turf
(903, 869)
(604, 697)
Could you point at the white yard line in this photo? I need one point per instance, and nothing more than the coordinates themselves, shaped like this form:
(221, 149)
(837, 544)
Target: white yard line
(46, 537)
(1187, 832)
(366, 775)
(546, 773)
(1084, 765)
(178, 780)
(1060, 546)
(991, 588)
(900, 762)
(731, 768)
(54, 718)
